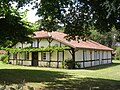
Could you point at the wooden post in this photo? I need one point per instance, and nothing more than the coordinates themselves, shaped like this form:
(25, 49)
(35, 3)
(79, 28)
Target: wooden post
(73, 57)
(111, 57)
(49, 59)
(8, 57)
(37, 43)
(83, 58)
(22, 45)
(57, 59)
(91, 57)
(107, 57)
(99, 57)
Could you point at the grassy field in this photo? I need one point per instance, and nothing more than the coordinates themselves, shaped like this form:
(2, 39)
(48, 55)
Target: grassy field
(106, 77)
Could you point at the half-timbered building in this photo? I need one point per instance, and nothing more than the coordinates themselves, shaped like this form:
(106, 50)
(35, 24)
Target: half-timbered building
(85, 53)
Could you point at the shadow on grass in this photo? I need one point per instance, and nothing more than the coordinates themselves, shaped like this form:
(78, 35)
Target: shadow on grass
(15, 76)
(56, 80)
(103, 66)
(85, 84)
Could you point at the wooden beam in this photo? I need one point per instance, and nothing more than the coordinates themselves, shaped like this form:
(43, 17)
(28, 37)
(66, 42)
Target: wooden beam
(91, 57)
(37, 43)
(49, 40)
(99, 57)
(49, 58)
(22, 45)
(70, 51)
(73, 57)
(8, 53)
(83, 59)
(57, 59)
(107, 56)
(111, 57)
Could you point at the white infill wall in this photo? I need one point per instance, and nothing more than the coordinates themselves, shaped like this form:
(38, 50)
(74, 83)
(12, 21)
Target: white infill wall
(87, 62)
(89, 58)
(79, 57)
(109, 57)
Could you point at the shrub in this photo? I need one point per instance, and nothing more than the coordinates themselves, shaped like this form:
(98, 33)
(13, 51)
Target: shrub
(4, 58)
(63, 64)
(68, 64)
(77, 65)
(117, 56)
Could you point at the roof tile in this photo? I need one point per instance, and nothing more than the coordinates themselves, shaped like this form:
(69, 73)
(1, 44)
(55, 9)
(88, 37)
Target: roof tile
(59, 36)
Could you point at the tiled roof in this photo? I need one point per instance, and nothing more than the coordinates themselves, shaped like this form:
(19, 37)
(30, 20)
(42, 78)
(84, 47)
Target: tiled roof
(2, 52)
(59, 36)
(41, 34)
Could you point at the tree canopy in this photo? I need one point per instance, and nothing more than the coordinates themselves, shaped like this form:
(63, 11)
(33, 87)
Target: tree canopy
(77, 16)
(12, 28)
(108, 39)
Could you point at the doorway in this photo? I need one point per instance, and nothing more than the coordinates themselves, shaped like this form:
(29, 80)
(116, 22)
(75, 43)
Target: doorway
(34, 58)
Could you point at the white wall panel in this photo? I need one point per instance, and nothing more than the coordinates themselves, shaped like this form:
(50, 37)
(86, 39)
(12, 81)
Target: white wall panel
(87, 64)
(43, 43)
(79, 55)
(67, 55)
(54, 56)
(27, 62)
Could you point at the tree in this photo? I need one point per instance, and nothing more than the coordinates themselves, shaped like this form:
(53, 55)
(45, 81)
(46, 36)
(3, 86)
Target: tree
(12, 28)
(78, 16)
(108, 39)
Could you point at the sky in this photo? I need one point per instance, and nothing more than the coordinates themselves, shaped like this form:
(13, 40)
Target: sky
(31, 13)
(31, 16)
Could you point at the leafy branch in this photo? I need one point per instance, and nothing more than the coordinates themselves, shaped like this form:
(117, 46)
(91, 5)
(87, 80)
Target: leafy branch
(30, 49)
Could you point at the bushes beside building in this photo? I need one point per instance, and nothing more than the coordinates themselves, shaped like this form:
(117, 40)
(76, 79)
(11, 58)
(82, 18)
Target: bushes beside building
(69, 64)
(4, 58)
(117, 54)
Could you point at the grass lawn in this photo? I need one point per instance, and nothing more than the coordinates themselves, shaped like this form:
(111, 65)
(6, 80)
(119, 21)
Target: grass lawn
(106, 77)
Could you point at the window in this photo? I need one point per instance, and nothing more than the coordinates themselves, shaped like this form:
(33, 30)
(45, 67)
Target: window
(34, 44)
(44, 56)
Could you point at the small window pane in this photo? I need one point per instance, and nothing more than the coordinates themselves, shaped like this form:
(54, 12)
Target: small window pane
(44, 56)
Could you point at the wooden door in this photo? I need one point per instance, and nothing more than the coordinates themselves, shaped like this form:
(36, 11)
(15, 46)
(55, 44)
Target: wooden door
(34, 58)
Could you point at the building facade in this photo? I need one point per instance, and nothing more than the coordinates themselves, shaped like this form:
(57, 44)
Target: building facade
(85, 53)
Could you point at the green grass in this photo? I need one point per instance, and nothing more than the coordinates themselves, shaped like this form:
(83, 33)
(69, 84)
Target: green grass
(106, 77)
